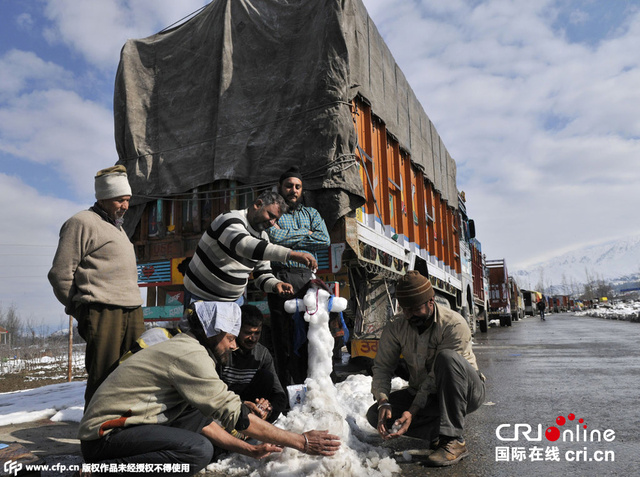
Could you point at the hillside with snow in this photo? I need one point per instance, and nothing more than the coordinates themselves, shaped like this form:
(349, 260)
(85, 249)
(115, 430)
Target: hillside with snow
(616, 262)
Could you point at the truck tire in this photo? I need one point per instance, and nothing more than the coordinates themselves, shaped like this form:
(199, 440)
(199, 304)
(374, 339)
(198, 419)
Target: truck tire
(507, 320)
(483, 325)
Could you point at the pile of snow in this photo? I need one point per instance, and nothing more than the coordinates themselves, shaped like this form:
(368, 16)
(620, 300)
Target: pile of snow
(627, 311)
(346, 418)
(339, 409)
(43, 366)
(58, 402)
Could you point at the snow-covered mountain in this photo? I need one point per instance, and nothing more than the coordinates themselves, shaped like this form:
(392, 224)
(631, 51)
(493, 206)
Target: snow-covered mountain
(616, 262)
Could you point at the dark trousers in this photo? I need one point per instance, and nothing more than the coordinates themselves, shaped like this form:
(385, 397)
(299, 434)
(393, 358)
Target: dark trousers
(460, 391)
(109, 331)
(291, 366)
(178, 443)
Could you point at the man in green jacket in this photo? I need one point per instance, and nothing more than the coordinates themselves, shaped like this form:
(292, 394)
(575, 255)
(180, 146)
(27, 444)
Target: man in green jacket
(166, 407)
(444, 382)
(95, 276)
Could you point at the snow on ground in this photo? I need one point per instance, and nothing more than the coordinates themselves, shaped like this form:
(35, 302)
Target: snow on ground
(64, 402)
(58, 402)
(41, 365)
(629, 311)
(339, 409)
(345, 417)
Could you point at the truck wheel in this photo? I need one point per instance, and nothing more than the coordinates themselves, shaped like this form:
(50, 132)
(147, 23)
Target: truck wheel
(483, 326)
(507, 320)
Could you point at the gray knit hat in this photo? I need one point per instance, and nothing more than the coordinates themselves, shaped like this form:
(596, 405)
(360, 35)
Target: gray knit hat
(413, 290)
(112, 182)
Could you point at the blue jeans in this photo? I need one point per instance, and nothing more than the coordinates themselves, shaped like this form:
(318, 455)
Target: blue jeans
(177, 443)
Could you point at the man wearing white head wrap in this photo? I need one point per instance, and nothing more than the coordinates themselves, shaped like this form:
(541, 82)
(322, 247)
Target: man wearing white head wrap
(166, 404)
(216, 317)
(95, 276)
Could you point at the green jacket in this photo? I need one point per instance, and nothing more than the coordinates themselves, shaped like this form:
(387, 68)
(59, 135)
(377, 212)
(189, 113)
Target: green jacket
(156, 385)
(449, 330)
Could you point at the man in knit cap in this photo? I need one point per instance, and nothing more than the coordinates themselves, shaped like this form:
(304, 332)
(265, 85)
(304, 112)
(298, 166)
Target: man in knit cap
(302, 229)
(444, 384)
(94, 275)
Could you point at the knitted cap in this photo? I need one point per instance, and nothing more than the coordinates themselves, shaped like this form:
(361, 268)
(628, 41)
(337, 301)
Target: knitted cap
(112, 182)
(413, 290)
(292, 172)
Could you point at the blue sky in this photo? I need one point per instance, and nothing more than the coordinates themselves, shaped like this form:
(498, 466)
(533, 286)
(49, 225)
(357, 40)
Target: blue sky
(537, 101)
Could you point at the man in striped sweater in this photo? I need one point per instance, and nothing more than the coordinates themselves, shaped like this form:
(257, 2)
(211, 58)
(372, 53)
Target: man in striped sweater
(236, 245)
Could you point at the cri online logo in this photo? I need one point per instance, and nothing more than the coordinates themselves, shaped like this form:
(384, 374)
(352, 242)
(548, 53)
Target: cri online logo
(553, 433)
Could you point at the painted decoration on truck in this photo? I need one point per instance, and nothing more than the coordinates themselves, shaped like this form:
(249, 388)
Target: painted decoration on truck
(154, 273)
(413, 204)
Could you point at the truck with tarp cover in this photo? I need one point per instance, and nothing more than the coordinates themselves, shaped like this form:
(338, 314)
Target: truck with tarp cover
(209, 113)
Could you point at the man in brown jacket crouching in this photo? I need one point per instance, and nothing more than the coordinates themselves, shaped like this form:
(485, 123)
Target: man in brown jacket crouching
(444, 384)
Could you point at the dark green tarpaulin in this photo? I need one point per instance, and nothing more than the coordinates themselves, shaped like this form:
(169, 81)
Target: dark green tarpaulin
(247, 88)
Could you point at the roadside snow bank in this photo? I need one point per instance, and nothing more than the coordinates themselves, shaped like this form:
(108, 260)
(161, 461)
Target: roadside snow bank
(626, 311)
(58, 402)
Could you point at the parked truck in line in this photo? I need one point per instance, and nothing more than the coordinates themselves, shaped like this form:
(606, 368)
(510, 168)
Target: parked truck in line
(516, 300)
(480, 285)
(530, 299)
(499, 294)
(205, 120)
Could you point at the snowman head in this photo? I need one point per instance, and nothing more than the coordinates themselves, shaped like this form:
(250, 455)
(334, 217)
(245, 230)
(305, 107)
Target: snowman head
(317, 303)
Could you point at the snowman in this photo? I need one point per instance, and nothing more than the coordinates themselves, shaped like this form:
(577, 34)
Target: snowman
(316, 304)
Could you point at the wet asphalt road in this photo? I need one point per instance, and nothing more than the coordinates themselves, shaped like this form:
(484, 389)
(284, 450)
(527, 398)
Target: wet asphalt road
(538, 371)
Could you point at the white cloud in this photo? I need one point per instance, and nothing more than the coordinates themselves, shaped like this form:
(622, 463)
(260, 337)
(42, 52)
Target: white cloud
(60, 128)
(22, 69)
(28, 240)
(98, 30)
(543, 130)
(25, 21)
(578, 17)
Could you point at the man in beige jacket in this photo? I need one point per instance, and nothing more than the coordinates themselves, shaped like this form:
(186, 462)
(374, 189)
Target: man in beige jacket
(166, 409)
(444, 382)
(94, 275)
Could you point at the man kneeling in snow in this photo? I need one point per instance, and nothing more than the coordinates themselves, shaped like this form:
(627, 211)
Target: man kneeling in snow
(167, 405)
